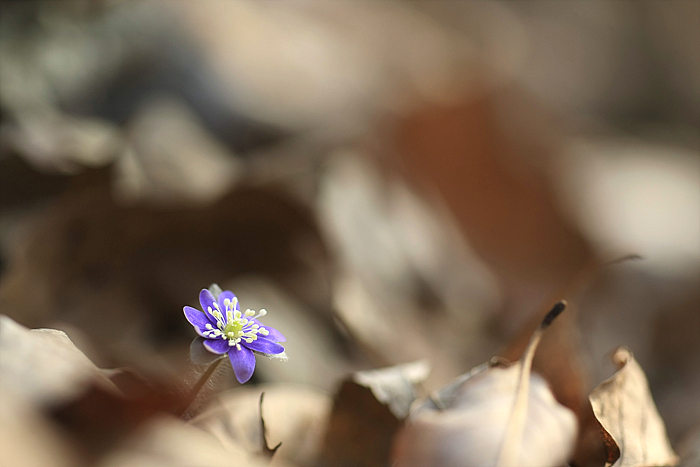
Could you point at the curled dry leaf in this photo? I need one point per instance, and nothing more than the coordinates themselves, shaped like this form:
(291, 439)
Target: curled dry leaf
(626, 411)
(43, 366)
(48, 384)
(39, 369)
(494, 415)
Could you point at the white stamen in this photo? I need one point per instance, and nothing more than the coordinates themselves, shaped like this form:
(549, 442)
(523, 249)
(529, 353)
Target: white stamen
(246, 330)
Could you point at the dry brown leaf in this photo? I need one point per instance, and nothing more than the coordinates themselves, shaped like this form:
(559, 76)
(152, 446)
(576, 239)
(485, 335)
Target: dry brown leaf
(43, 367)
(395, 386)
(38, 368)
(625, 409)
(560, 360)
(494, 415)
(47, 376)
(510, 217)
(87, 252)
(368, 411)
(23, 429)
(168, 442)
(294, 415)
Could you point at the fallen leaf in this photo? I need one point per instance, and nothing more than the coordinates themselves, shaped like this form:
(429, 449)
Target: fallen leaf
(395, 386)
(87, 252)
(74, 410)
(510, 217)
(493, 415)
(98, 420)
(266, 449)
(43, 366)
(294, 415)
(560, 359)
(43, 371)
(172, 158)
(625, 409)
(23, 429)
(170, 442)
(368, 411)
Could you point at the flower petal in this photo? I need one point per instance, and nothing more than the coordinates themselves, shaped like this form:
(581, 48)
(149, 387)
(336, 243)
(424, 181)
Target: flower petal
(274, 335)
(227, 294)
(243, 363)
(197, 319)
(219, 346)
(206, 299)
(264, 346)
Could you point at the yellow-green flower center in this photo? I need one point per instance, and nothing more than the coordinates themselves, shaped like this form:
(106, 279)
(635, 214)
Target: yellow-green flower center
(234, 326)
(234, 329)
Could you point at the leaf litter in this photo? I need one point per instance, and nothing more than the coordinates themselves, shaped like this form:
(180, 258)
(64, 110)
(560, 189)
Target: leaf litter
(626, 411)
(118, 271)
(498, 414)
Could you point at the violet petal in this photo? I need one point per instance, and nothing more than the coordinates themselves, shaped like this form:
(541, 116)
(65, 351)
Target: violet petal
(274, 335)
(263, 345)
(206, 299)
(223, 296)
(218, 346)
(243, 363)
(197, 319)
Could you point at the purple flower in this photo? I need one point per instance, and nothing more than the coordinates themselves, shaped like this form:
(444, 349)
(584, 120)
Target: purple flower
(228, 331)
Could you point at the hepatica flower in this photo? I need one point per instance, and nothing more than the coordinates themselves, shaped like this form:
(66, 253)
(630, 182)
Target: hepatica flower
(228, 331)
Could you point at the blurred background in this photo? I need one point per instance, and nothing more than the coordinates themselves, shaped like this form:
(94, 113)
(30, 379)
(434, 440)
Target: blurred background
(392, 181)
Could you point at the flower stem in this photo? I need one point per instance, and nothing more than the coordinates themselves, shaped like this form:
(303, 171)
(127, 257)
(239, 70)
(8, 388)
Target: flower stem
(194, 392)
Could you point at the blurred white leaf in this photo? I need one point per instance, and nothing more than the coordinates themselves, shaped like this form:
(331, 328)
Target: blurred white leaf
(470, 431)
(294, 415)
(171, 155)
(632, 196)
(493, 416)
(396, 385)
(167, 442)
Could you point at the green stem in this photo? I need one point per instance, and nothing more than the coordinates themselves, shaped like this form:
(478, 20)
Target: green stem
(194, 392)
